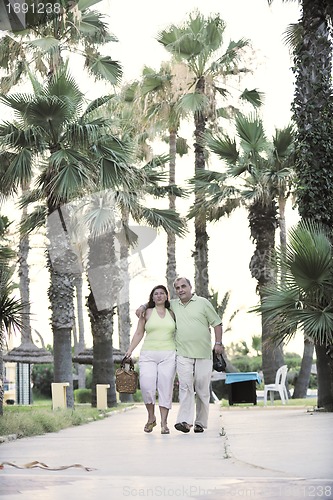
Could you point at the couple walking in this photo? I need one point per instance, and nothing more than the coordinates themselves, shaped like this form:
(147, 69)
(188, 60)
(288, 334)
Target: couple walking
(180, 326)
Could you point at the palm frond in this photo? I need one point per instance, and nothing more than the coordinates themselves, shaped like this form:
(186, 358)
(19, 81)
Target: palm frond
(71, 175)
(104, 67)
(192, 102)
(34, 220)
(97, 103)
(253, 96)
(251, 133)
(224, 147)
(19, 171)
(45, 44)
(168, 220)
(232, 55)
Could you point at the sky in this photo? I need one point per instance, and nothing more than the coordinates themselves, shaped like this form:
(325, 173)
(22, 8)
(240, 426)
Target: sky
(136, 25)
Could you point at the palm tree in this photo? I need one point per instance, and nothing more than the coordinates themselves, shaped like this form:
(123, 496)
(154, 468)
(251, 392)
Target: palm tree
(303, 300)
(255, 162)
(312, 109)
(40, 48)
(102, 215)
(53, 132)
(129, 112)
(162, 93)
(199, 43)
(11, 309)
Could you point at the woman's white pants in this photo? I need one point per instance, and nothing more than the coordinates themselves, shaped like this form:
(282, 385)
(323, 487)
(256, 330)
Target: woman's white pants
(157, 373)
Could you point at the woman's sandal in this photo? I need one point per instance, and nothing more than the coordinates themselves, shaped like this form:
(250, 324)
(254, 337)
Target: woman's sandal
(165, 429)
(149, 426)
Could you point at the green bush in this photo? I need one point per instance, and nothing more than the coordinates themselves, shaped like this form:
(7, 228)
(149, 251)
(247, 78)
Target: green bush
(89, 376)
(293, 360)
(42, 378)
(137, 397)
(247, 363)
(82, 395)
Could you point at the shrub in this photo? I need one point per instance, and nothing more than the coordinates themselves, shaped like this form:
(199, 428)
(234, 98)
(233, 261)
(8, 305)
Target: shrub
(293, 360)
(42, 378)
(247, 363)
(89, 376)
(137, 397)
(82, 395)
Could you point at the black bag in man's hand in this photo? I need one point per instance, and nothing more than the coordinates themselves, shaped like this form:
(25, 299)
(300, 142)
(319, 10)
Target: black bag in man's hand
(219, 363)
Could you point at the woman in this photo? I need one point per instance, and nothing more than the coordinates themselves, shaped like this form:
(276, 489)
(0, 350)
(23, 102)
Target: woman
(157, 360)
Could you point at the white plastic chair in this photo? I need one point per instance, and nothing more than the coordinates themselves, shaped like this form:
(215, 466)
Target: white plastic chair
(279, 386)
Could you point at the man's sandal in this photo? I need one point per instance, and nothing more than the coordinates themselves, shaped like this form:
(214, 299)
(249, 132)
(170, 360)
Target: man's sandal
(198, 428)
(149, 426)
(183, 427)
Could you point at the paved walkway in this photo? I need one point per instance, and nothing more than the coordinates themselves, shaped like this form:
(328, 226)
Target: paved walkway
(247, 452)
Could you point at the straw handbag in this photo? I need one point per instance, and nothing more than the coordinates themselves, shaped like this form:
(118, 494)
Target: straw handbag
(126, 377)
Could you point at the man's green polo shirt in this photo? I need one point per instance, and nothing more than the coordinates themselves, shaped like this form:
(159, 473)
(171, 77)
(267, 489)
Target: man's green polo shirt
(193, 336)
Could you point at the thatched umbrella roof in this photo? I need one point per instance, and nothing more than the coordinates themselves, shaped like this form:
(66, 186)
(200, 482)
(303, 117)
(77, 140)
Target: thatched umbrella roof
(28, 352)
(86, 357)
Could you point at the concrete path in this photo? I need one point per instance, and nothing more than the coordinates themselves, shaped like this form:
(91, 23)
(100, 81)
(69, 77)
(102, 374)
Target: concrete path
(247, 452)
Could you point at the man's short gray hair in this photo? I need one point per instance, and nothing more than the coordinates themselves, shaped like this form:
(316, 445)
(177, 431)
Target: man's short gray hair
(182, 278)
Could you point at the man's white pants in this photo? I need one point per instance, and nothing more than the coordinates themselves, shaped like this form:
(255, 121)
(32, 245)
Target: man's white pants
(194, 376)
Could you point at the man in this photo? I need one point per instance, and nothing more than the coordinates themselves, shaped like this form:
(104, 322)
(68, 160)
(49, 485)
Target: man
(194, 316)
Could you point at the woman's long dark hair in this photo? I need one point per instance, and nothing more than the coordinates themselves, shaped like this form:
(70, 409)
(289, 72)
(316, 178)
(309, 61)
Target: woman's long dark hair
(151, 303)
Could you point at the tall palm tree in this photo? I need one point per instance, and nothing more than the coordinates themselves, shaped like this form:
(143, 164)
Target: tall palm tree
(102, 213)
(312, 110)
(42, 47)
(162, 93)
(200, 44)
(133, 117)
(11, 309)
(52, 131)
(254, 161)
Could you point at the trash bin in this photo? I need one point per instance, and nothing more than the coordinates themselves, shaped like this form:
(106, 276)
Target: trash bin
(242, 387)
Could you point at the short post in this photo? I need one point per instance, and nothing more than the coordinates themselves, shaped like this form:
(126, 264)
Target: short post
(102, 396)
(58, 390)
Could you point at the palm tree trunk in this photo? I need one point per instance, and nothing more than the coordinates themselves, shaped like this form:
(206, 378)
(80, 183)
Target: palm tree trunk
(61, 264)
(263, 222)
(24, 285)
(81, 369)
(303, 379)
(171, 273)
(102, 331)
(325, 377)
(123, 302)
(1, 369)
(283, 228)
(123, 308)
(201, 236)
(104, 285)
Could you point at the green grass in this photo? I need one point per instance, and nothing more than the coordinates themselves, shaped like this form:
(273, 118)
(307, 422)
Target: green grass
(39, 418)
